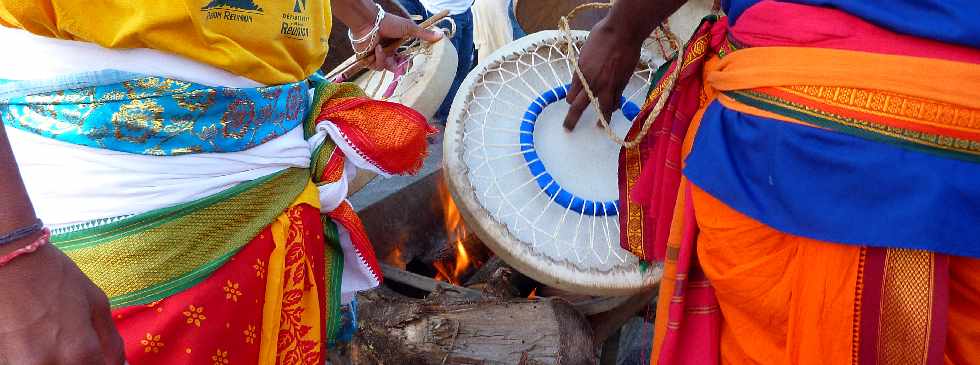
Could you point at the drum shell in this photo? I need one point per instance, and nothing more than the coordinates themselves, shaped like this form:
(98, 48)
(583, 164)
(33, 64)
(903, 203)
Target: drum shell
(563, 274)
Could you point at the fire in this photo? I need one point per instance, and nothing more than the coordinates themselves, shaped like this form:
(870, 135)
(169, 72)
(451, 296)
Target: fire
(534, 294)
(444, 273)
(462, 259)
(447, 270)
(395, 257)
(453, 272)
(453, 222)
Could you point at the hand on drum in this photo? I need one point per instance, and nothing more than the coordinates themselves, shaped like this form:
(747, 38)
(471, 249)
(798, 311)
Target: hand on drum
(607, 61)
(610, 55)
(394, 27)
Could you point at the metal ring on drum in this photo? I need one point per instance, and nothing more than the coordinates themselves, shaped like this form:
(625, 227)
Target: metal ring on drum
(543, 199)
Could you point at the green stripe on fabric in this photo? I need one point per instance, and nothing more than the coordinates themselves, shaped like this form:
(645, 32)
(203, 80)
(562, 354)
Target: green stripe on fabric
(74, 240)
(321, 156)
(334, 272)
(661, 73)
(323, 92)
(147, 257)
(177, 285)
(319, 98)
(799, 112)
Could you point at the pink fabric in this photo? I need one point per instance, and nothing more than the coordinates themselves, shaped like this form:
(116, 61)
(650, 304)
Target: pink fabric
(772, 23)
(694, 319)
(660, 173)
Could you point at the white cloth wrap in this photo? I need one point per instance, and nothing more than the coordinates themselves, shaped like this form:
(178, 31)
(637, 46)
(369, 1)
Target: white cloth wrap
(71, 184)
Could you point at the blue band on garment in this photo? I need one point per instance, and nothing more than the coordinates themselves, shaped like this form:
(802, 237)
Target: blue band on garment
(152, 115)
(545, 181)
(836, 187)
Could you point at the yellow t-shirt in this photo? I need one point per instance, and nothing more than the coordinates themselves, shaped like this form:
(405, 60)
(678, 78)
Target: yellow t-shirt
(269, 41)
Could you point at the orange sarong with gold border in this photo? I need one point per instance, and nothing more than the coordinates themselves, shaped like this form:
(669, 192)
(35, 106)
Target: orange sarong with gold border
(739, 291)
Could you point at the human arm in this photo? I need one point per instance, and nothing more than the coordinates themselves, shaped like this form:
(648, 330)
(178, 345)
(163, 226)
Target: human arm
(611, 52)
(50, 312)
(359, 16)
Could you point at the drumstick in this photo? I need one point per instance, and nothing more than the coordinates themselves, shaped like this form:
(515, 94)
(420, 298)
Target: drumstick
(367, 59)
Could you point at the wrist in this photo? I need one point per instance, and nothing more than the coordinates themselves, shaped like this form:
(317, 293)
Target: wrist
(24, 246)
(362, 18)
(17, 244)
(622, 33)
(12, 236)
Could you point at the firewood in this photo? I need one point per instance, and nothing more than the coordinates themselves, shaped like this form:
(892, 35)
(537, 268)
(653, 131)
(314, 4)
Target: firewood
(502, 284)
(491, 331)
(426, 283)
(485, 272)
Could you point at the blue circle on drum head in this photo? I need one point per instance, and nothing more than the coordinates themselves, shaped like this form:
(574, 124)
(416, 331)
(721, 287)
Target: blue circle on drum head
(545, 181)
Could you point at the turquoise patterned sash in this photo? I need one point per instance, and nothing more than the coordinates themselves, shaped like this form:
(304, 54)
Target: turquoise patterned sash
(152, 115)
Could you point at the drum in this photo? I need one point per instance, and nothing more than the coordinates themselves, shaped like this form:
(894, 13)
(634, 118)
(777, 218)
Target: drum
(543, 199)
(421, 83)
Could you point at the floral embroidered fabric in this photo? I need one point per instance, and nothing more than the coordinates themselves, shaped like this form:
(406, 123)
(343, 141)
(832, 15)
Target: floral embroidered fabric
(159, 116)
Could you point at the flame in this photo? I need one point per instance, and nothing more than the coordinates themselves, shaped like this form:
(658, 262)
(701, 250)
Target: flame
(444, 273)
(462, 259)
(395, 257)
(447, 270)
(534, 294)
(453, 272)
(453, 222)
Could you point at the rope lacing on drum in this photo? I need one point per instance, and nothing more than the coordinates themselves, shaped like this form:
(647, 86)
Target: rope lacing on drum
(531, 75)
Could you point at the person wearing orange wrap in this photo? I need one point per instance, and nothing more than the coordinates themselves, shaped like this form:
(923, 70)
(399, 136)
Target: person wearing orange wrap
(173, 178)
(809, 184)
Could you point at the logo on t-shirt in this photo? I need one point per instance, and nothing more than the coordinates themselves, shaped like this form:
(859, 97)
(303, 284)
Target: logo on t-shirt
(296, 25)
(234, 10)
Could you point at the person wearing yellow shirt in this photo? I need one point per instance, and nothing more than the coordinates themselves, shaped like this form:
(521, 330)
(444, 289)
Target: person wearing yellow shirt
(178, 193)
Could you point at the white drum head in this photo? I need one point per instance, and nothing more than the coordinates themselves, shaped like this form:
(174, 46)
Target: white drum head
(425, 81)
(545, 200)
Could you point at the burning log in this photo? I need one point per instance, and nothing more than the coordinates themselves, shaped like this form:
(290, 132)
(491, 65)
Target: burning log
(428, 284)
(438, 331)
(420, 235)
(502, 284)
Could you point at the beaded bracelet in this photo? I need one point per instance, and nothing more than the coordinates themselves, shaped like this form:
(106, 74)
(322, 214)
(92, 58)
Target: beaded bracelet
(371, 35)
(21, 232)
(44, 239)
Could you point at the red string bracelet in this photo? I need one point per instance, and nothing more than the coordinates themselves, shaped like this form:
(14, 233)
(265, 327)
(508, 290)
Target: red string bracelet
(44, 239)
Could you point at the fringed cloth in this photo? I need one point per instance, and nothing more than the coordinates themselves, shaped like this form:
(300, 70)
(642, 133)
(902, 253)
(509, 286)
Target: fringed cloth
(804, 228)
(254, 274)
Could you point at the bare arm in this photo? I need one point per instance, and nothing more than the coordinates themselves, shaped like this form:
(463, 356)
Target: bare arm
(16, 209)
(50, 313)
(610, 54)
(359, 16)
(634, 20)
